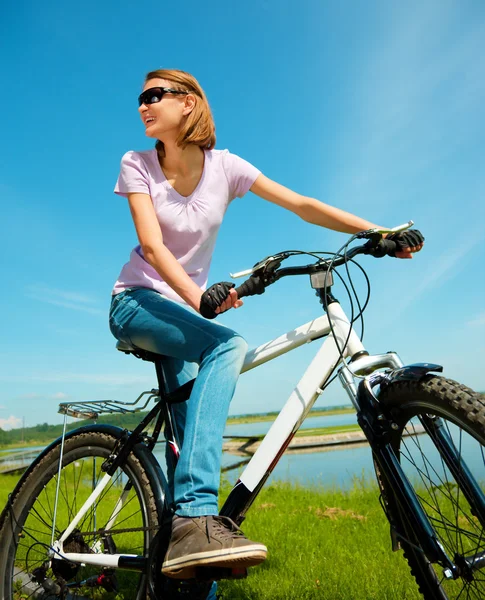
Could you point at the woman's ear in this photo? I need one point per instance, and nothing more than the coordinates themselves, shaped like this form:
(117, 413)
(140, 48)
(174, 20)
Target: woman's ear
(189, 103)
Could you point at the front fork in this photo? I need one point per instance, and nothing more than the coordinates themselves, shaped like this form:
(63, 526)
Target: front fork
(377, 429)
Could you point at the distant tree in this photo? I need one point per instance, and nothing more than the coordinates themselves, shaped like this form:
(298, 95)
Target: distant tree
(4, 439)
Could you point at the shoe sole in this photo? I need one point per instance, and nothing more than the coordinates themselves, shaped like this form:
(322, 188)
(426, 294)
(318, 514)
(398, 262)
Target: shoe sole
(185, 566)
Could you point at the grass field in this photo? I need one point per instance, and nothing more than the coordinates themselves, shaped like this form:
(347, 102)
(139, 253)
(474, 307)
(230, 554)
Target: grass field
(323, 544)
(259, 418)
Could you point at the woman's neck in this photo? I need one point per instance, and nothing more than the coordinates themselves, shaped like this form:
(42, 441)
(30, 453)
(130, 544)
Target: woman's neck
(182, 161)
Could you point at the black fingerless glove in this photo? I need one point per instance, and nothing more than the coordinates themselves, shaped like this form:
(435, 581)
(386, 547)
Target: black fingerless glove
(213, 297)
(405, 239)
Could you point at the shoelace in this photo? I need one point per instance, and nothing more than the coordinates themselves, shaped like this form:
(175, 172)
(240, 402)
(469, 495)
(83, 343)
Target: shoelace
(224, 526)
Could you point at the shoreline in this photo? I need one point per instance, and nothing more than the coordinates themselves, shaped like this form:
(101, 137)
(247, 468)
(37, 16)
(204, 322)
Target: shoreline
(256, 418)
(304, 443)
(236, 420)
(301, 443)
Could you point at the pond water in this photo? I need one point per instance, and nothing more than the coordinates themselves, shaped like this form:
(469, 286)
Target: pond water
(342, 466)
(332, 466)
(262, 427)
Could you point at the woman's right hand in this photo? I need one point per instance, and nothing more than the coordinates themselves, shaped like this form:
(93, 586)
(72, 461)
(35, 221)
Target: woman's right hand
(217, 299)
(231, 301)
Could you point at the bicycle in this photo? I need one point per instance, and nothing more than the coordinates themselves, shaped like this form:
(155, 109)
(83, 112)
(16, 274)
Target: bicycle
(92, 513)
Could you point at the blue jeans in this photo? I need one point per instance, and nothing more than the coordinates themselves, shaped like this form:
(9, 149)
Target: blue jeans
(146, 319)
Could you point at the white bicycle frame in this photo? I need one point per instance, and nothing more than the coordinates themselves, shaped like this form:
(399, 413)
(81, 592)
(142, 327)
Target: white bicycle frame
(333, 351)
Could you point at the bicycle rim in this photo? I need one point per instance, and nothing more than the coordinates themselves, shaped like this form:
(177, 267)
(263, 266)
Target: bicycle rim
(459, 531)
(35, 572)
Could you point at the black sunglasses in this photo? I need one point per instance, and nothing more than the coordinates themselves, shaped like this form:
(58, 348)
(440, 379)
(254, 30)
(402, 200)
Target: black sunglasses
(155, 94)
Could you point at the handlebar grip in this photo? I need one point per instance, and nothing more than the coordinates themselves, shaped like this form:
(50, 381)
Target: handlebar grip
(251, 287)
(389, 247)
(385, 247)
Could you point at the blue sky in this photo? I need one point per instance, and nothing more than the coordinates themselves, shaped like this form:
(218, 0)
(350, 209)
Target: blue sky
(375, 107)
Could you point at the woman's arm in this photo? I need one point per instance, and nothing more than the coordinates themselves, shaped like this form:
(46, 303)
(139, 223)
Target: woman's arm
(316, 212)
(157, 254)
(309, 209)
(162, 260)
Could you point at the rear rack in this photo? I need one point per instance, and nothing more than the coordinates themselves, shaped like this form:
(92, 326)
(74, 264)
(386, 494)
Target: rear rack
(91, 409)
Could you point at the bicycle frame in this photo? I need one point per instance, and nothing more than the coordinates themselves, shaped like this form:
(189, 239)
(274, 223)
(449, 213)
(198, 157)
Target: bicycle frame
(303, 397)
(341, 342)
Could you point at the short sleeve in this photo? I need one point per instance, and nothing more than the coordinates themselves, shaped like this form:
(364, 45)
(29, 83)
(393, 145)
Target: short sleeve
(133, 175)
(240, 174)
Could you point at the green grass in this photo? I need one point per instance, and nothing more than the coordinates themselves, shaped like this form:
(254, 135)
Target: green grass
(259, 418)
(323, 544)
(328, 430)
(7, 483)
(29, 444)
(333, 429)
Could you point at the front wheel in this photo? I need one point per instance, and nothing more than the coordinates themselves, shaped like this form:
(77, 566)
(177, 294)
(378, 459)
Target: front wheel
(460, 413)
(122, 521)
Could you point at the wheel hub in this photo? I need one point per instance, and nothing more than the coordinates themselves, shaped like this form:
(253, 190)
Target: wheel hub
(74, 543)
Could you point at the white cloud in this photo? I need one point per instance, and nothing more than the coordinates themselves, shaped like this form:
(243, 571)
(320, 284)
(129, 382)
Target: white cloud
(64, 298)
(10, 423)
(70, 332)
(37, 396)
(419, 97)
(93, 378)
(447, 266)
(479, 320)
(65, 295)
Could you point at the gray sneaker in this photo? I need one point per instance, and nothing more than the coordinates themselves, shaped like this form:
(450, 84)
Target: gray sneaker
(208, 542)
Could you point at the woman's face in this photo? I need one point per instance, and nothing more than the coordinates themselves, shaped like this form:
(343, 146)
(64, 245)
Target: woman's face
(163, 119)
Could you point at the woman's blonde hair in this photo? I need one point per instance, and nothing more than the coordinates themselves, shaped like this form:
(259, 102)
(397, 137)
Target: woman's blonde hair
(199, 127)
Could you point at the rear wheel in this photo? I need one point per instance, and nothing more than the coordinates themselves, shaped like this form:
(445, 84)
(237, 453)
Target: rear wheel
(27, 566)
(461, 413)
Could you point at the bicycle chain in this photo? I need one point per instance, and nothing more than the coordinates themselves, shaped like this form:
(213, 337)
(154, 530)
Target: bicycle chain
(102, 532)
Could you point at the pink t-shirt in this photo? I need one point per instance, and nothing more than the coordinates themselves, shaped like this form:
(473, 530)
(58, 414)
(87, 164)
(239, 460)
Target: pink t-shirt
(189, 224)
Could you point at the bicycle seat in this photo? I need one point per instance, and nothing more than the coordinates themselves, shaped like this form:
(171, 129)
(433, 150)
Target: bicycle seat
(124, 347)
(138, 352)
(181, 394)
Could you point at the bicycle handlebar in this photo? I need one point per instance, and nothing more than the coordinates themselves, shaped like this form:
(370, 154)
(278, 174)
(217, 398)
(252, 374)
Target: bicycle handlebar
(259, 281)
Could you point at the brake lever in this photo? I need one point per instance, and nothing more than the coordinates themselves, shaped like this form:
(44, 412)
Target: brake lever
(256, 267)
(270, 263)
(269, 269)
(369, 233)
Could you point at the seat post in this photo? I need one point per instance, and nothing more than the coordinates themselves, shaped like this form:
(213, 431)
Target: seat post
(161, 378)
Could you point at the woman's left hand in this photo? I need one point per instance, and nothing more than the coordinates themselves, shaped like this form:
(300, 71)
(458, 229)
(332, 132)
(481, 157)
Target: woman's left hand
(408, 242)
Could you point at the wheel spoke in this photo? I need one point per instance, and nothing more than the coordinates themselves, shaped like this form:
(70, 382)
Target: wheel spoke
(432, 489)
(91, 512)
(439, 480)
(32, 534)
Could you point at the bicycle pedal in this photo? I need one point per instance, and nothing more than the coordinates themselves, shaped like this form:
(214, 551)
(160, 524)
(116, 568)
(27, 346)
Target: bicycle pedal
(216, 573)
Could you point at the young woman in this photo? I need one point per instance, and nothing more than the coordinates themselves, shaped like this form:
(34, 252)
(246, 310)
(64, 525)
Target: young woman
(178, 194)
